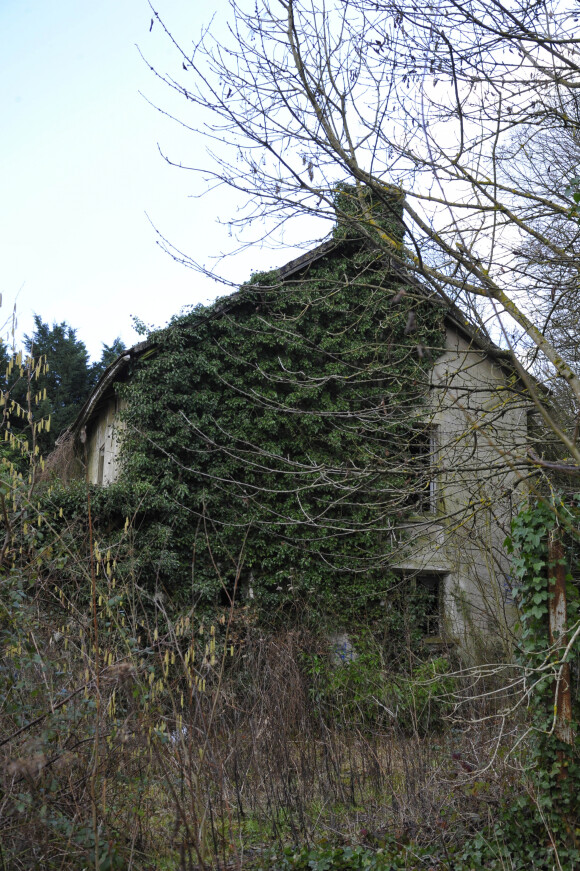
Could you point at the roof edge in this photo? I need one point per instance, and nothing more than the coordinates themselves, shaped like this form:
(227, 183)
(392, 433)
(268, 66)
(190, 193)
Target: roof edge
(452, 313)
(105, 382)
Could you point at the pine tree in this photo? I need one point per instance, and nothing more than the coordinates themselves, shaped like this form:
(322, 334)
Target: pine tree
(68, 381)
(4, 383)
(108, 355)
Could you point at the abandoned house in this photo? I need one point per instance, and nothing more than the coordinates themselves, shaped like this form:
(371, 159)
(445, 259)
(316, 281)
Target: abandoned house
(413, 460)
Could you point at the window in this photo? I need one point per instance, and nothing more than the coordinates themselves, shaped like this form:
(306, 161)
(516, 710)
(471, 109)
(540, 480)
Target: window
(423, 447)
(101, 465)
(423, 597)
(429, 588)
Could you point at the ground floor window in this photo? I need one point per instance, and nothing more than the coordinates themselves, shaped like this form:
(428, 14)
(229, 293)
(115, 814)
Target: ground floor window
(101, 465)
(429, 585)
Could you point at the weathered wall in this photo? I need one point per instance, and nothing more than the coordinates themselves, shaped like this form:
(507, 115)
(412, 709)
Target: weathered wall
(103, 444)
(480, 420)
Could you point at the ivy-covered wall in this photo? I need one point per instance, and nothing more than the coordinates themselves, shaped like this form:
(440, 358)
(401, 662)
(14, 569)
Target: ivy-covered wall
(279, 434)
(327, 442)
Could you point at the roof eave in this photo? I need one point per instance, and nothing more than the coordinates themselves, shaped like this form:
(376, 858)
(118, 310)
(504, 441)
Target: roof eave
(104, 386)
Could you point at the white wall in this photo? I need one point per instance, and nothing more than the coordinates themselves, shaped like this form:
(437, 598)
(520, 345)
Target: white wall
(481, 425)
(103, 444)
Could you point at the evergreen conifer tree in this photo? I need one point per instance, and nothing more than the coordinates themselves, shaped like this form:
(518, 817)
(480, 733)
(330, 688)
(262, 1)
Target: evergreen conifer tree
(109, 354)
(68, 381)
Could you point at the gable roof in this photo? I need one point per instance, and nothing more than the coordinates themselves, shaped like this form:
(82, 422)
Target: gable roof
(119, 369)
(451, 312)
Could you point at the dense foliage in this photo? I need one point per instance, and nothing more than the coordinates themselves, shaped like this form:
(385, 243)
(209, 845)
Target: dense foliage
(60, 386)
(547, 816)
(274, 442)
(282, 434)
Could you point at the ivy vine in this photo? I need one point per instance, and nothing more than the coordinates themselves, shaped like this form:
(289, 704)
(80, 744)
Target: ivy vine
(545, 823)
(281, 429)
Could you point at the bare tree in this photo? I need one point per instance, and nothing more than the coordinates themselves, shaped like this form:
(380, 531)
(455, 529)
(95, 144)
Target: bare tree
(449, 103)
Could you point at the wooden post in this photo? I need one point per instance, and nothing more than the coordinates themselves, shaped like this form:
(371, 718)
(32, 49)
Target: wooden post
(558, 636)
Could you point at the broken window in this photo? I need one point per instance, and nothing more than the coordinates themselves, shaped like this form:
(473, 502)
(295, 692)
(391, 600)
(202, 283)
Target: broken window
(422, 599)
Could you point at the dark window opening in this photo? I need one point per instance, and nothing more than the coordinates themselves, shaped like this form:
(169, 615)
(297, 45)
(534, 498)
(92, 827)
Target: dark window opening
(429, 588)
(101, 465)
(422, 452)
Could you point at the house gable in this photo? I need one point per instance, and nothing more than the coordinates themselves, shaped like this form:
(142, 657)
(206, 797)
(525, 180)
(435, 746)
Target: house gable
(303, 432)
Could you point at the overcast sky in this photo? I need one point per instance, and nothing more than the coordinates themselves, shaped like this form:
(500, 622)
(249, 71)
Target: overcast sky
(81, 170)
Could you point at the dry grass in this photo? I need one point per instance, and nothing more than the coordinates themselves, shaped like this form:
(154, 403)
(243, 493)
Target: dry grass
(62, 463)
(161, 762)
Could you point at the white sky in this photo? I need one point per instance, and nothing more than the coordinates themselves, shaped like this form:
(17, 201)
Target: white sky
(80, 167)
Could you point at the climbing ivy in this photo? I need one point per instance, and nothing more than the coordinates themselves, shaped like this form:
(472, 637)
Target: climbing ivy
(285, 429)
(276, 440)
(546, 820)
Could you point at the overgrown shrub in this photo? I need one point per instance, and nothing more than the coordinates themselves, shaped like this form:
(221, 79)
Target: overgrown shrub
(413, 692)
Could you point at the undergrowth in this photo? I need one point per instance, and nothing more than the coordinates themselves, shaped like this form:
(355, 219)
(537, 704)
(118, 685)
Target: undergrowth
(139, 734)
(153, 739)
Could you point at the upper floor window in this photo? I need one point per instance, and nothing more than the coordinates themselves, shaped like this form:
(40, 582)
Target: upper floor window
(423, 451)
